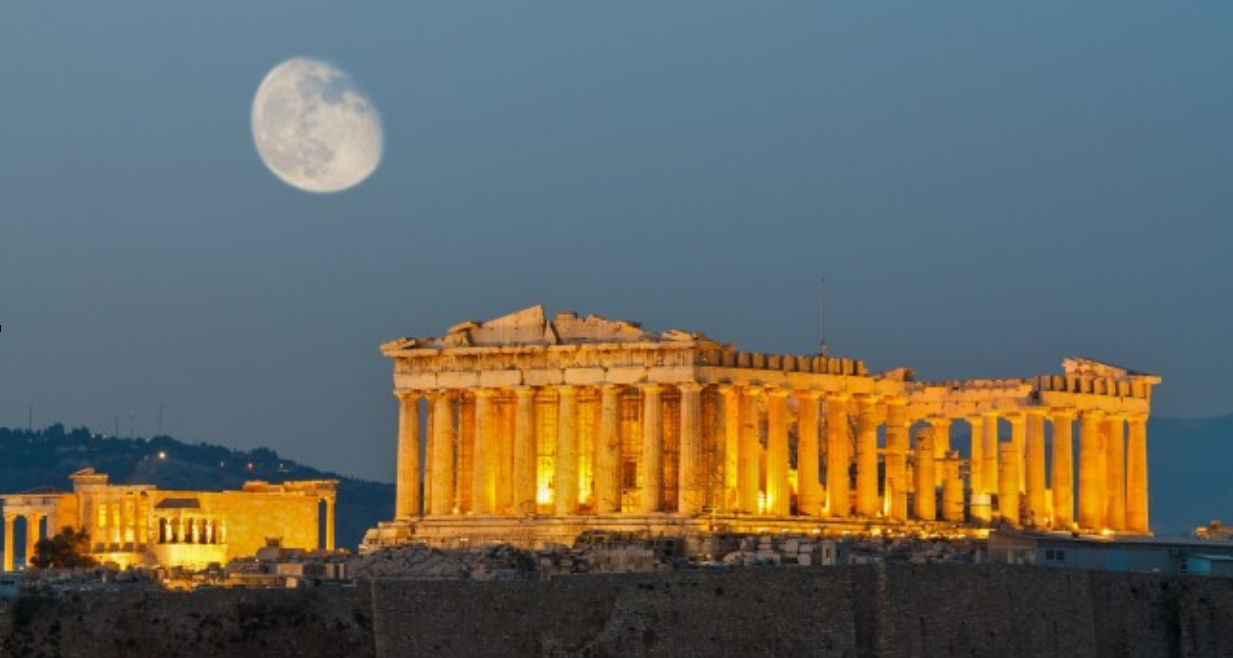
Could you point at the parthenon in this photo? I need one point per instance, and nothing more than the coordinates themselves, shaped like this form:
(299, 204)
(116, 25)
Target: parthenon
(526, 429)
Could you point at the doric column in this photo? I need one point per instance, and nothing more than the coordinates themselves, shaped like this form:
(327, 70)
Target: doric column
(866, 456)
(778, 489)
(1018, 438)
(1091, 472)
(941, 445)
(838, 455)
(608, 452)
(329, 523)
(1008, 483)
(525, 486)
(750, 452)
(443, 453)
(897, 458)
(32, 535)
(926, 495)
(1034, 479)
(484, 455)
(989, 454)
(976, 453)
(407, 491)
(730, 436)
(504, 470)
(652, 448)
(1136, 475)
(808, 458)
(1115, 468)
(8, 541)
(565, 479)
(690, 483)
(1063, 469)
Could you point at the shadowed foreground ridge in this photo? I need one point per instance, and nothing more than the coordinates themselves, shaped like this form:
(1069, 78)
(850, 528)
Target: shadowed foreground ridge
(875, 611)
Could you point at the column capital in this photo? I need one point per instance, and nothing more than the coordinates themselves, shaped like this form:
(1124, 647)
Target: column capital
(938, 420)
(808, 394)
(991, 413)
(777, 392)
(1116, 415)
(1015, 417)
(1094, 414)
(405, 394)
(896, 401)
(1063, 412)
(523, 392)
(483, 392)
(837, 396)
(1137, 417)
(567, 390)
(1035, 411)
(693, 387)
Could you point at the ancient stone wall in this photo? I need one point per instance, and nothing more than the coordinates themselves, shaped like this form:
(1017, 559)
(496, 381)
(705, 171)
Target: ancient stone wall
(873, 610)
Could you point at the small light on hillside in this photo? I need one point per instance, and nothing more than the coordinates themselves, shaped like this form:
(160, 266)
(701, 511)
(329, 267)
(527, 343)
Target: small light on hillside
(162, 455)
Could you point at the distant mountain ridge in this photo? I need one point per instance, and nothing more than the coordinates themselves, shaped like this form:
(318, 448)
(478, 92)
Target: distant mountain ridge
(47, 456)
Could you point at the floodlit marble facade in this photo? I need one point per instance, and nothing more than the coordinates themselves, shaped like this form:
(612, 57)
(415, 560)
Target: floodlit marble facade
(526, 429)
(138, 524)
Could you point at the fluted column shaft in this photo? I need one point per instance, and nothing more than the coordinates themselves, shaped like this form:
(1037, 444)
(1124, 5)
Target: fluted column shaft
(1034, 461)
(407, 491)
(652, 448)
(1009, 462)
(1063, 468)
(1115, 468)
(926, 494)
(608, 453)
(1018, 439)
(989, 454)
(730, 401)
(838, 454)
(897, 458)
(809, 483)
(525, 485)
(690, 483)
(1136, 475)
(329, 524)
(778, 489)
(8, 541)
(484, 455)
(750, 452)
(866, 457)
(941, 446)
(443, 453)
(32, 535)
(1091, 472)
(565, 476)
(976, 453)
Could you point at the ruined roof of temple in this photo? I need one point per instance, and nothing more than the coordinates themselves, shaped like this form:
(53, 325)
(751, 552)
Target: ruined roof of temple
(531, 326)
(178, 503)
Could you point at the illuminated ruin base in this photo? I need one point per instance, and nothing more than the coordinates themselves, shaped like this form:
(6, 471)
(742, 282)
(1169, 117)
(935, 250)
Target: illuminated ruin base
(138, 524)
(527, 429)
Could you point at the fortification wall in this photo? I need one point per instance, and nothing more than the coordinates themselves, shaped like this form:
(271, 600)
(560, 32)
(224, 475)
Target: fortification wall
(856, 611)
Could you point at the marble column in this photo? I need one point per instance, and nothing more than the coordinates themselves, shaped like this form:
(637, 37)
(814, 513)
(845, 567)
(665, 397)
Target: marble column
(504, 408)
(897, 458)
(1136, 475)
(652, 462)
(565, 477)
(838, 456)
(329, 523)
(866, 457)
(33, 534)
(1034, 478)
(808, 456)
(443, 453)
(608, 452)
(691, 485)
(1018, 439)
(941, 446)
(8, 541)
(1115, 468)
(1063, 468)
(1091, 472)
(525, 486)
(484, 455)
(989, 453)
(926, 493)
(730, 401)
(1008, 483)
(407, 491)
(976, 453)
(750, 452)
(778, 489)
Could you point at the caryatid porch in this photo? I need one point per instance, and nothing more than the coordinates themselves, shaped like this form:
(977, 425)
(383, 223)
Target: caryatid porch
(597, 422)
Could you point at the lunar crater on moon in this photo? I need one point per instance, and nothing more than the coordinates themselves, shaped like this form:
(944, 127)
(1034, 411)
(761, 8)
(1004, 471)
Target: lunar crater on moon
(313, 129)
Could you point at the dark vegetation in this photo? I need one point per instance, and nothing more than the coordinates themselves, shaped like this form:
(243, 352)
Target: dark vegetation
(48, 456)
(67, 549)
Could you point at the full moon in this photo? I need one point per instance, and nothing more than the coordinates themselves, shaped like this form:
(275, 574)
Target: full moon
(313, 129)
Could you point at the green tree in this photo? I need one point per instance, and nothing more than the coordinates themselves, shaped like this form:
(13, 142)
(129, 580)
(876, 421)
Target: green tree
(69, 549)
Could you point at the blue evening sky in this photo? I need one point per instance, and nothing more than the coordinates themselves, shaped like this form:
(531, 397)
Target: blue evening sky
(986, 186)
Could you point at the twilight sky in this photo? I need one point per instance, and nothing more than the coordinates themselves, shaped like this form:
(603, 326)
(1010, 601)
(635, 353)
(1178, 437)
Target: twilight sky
(987, 188)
